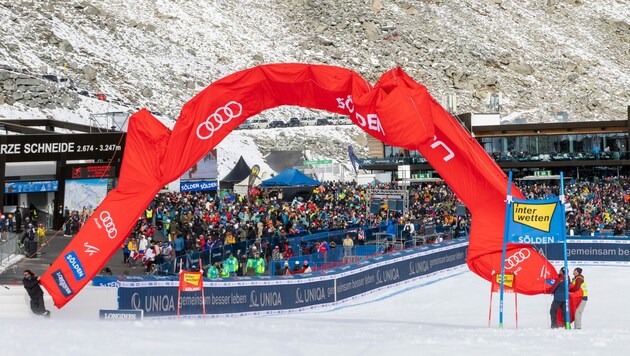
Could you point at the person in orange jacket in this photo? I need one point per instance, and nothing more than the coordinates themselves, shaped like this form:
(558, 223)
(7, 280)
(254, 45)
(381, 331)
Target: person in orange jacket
(579, 294)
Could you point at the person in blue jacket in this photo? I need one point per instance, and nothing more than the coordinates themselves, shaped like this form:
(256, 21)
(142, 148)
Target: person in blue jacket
(559, 298)
(179, 246)
(391, 228)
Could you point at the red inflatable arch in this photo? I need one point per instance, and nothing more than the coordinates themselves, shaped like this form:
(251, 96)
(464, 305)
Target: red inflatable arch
(396, 110)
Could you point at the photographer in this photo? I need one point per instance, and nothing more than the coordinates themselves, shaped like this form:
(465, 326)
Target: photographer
(31, 284)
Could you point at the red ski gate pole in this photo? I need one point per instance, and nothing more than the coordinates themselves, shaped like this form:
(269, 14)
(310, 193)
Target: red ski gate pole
(490, 307)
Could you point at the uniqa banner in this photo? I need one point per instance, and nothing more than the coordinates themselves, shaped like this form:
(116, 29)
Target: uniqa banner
(535, 221)
(157, 295)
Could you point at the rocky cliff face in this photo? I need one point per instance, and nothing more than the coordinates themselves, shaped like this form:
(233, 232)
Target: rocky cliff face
(524, 58)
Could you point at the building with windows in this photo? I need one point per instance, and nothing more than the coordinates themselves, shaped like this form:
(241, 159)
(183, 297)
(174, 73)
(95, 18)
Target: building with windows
(579, 149)
(52, 166)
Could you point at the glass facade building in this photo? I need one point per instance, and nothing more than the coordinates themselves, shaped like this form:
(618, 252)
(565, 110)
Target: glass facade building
(575, 148)
(558, 147)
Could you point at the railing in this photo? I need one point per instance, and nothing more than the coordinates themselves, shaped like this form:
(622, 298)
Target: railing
(554, 157)
(377, 161)
(220, 253)
(512, 157)
(335, 256)
(8, 248)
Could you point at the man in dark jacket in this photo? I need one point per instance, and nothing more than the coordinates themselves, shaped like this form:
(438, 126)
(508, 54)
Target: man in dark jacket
(285, 270)
(18, 220)
(31, 284)
(559, 298)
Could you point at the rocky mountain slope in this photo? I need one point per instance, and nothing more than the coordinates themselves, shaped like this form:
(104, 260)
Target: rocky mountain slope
(525, 58)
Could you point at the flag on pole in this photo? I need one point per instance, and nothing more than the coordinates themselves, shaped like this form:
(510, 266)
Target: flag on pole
(535, 221)
(190, 281)
(354, 160)
(253, 175)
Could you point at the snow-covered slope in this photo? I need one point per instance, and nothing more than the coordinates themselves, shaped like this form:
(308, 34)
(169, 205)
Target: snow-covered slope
(533, 58)
(315, 142)
(540, 56)
(437, 317)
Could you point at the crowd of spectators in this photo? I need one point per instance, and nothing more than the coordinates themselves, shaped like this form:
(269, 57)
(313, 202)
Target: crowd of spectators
(193, 222)
(196, 221)
(598, 205)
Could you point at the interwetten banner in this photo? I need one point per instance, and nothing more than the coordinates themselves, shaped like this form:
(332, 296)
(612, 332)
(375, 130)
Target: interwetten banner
(190, 281)
(535, 222)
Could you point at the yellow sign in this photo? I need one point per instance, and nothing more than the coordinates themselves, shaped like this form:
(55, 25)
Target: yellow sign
(192, 278)
(509, 280)
(537, 216)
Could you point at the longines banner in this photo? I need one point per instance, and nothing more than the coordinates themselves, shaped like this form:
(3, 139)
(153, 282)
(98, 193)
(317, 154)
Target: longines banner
(157, 295)
(26, 148)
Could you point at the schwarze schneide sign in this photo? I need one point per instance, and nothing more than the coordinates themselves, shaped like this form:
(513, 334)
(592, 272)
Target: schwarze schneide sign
(28, 148)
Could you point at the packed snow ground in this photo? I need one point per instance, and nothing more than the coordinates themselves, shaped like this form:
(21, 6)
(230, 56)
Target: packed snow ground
(446, 315)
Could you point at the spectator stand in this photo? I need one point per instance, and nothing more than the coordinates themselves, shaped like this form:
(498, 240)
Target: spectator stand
(377, 243)
(266, 245)
(377, 240)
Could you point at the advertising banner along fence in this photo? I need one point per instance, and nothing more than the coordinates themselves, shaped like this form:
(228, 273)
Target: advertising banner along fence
(157, 296)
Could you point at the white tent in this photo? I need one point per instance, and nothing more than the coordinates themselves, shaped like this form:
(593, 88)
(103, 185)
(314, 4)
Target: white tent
(241, 187)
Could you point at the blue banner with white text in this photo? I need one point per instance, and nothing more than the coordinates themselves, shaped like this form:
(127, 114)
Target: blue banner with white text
(535, 221)
(596, 251)
(31, 187)
(157, 295)
(197, 186)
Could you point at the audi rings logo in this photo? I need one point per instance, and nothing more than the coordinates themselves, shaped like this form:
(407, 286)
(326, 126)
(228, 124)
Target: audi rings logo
(517, 258)
(108, 224)
(221, 116)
